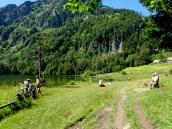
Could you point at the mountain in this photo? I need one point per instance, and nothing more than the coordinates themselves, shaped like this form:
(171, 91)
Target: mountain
(42, 13)
(10, 13)
(107, 41)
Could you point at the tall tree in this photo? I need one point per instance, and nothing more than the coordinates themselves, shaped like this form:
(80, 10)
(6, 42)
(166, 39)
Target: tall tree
(162, 20)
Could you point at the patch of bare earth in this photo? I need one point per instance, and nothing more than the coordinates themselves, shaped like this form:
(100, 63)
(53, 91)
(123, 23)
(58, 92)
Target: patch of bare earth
(104, 118)
(120, 121)
(75, 126)
(141, 90)
(144, 121)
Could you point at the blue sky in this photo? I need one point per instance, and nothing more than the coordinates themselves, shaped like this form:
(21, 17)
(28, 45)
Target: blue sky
(17, 2)
(129, 4)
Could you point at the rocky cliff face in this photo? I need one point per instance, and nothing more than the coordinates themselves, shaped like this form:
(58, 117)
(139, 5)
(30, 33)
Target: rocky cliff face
(43, 14)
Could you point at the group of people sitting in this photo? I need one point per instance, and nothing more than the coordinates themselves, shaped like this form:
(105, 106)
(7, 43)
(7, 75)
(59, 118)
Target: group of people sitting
(30, 89)
(102, 84)
(153, 84)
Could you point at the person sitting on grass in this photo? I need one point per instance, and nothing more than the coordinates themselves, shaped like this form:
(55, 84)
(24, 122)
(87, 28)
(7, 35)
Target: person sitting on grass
(29, 88)
(101, 84)
(155, 81)
(27, 82)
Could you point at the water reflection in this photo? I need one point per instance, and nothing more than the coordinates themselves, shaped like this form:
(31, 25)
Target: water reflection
(60, 80)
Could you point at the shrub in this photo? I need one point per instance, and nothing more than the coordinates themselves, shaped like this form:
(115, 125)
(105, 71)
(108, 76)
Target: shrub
(72, 83)
(123, 73)
(170, 71)
(88, 73)
(18, 105)
(109, 79)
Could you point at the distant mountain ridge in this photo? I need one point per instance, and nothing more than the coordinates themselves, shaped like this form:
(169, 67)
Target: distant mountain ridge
(12, 12)
(42, 13)
(107, 41)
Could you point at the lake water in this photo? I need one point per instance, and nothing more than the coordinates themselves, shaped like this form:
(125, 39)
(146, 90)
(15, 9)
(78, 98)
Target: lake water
(14, 80)
(53, 81)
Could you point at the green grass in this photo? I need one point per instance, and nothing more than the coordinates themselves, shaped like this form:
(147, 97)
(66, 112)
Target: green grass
(131, 114)
(7, 94)
(60, 107)
(157, 105)
(139, 72)
(128, 87)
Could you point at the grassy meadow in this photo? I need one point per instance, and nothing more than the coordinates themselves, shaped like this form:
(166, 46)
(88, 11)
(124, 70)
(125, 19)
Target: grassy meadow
(58, 107)
(156, 103)
(61, 107)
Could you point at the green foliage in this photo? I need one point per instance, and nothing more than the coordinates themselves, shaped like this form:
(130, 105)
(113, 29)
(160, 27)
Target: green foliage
(82, 44)
(88, 73)
(82, 6)
(162, 55)
(158, 5)
(72, 83)
(170, 71)
(160, 28)
(123, 72)
(18, 105)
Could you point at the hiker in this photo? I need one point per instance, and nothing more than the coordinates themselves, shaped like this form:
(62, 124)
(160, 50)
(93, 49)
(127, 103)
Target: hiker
(155, 81)
(38, 85)
(101, 84)
(26, 84)
(29, 88)
(32, 90)
(43, 81)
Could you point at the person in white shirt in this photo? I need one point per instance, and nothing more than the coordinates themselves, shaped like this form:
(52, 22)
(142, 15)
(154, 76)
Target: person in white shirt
(101, 84)
(155, 81)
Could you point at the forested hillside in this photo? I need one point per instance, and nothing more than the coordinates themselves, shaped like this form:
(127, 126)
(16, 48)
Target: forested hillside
(107, 41)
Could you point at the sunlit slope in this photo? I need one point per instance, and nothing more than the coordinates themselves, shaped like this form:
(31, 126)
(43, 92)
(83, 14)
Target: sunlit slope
(139, 72)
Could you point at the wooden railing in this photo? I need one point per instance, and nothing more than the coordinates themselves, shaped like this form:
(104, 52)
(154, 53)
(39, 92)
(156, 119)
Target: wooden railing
(9, 104)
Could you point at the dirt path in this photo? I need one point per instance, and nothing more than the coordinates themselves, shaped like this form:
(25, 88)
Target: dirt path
(104, 118)
(120, 121)
(141, 90)
(144, 121)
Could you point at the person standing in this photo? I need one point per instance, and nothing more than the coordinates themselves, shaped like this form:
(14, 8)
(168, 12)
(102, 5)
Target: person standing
(38, 85)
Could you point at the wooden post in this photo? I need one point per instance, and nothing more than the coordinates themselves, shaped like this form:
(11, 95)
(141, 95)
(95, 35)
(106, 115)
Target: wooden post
(9, 104)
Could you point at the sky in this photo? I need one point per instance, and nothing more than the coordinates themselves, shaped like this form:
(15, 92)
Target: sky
(129, 4)
(17, 2)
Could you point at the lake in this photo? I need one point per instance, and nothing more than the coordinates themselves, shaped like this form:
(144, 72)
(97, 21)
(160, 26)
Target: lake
(59, 80)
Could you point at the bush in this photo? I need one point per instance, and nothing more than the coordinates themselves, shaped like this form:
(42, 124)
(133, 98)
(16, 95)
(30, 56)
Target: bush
(109, 79)
(170, 71)
(88, 73)
(18, 105)
(123, 73)
(72, 83)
